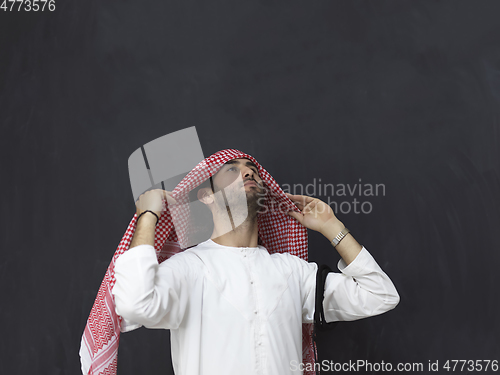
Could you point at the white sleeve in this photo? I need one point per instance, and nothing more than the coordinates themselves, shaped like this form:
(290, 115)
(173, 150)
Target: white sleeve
(360, 291)
(149, 294)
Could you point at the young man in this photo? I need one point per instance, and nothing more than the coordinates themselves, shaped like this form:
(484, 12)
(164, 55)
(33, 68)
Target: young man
(232, 306)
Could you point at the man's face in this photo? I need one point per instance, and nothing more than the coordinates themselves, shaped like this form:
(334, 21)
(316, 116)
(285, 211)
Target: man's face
(238, 194)
(236, 168)
(241, 183)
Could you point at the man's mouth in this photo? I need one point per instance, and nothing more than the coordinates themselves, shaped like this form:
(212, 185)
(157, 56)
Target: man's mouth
(250, 183)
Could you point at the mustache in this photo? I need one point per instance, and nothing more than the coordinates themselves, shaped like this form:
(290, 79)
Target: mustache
(262, 186)
(251, 179)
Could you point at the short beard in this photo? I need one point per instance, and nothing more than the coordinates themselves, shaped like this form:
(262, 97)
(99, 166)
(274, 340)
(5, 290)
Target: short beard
(253, 206)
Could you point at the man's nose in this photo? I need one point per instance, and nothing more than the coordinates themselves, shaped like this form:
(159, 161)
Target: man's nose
(247, 172)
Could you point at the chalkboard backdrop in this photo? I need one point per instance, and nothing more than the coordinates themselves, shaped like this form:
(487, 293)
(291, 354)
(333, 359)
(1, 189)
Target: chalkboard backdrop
(402, 96)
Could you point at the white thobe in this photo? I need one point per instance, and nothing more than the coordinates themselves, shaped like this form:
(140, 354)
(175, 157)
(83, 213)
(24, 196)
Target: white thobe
(239, 310)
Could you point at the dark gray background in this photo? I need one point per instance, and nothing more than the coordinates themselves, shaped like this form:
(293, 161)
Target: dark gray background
(401, 93)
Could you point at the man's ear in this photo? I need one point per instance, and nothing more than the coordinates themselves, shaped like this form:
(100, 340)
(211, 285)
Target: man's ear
(205, 195)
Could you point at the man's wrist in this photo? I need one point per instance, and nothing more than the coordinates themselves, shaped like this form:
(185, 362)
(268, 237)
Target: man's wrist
(348, 247)
(331, 228)
(144, 233)
(147, 217)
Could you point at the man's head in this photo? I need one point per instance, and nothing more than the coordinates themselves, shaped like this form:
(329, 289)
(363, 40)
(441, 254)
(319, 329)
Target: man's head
(237, 183)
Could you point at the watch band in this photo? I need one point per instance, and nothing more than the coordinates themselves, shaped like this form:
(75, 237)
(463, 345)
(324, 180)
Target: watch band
(340, 236)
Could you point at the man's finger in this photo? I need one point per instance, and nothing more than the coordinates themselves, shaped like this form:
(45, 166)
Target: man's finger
(300, 199)
(299, 205)
(165, 195)
(296, 215)
(168, 196)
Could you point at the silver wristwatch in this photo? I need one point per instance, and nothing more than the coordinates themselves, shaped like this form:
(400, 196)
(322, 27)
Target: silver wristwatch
(340, 236)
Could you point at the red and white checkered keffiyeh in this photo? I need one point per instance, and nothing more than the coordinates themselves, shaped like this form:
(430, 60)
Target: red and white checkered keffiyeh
(278, 233)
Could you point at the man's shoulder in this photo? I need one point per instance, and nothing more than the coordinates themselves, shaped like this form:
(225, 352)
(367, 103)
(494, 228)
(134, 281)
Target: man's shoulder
(187, 257)
(193, 253)
(293, 262)
(195, 249)
(287, 257)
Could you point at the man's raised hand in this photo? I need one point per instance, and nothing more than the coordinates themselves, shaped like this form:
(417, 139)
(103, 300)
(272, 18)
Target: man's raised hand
(315, 214)
(154, 200)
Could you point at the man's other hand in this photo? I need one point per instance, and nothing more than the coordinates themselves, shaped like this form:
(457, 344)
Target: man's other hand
(315, 214)
(154, 200)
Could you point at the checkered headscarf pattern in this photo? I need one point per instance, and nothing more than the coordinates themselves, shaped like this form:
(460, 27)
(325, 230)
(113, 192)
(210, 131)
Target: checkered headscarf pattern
(278, 232)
